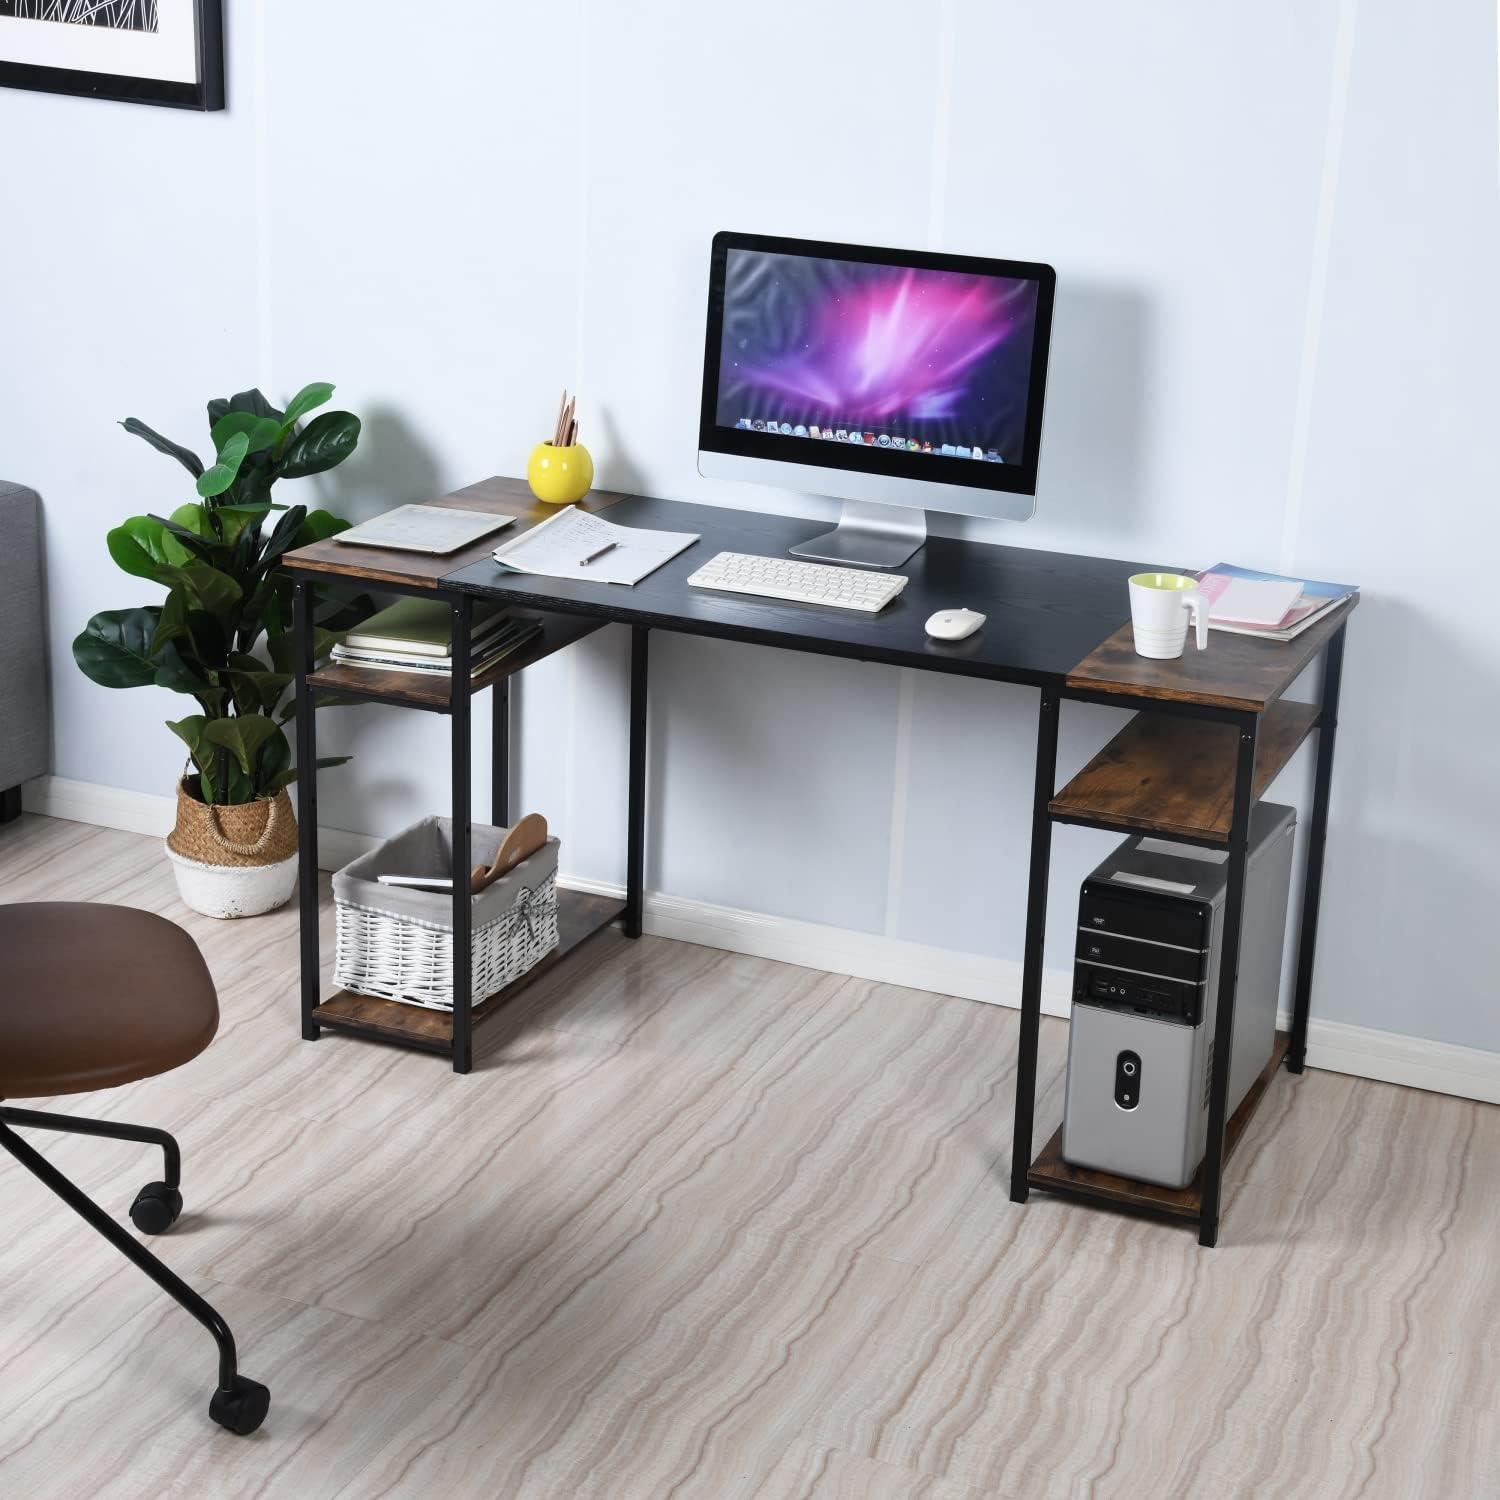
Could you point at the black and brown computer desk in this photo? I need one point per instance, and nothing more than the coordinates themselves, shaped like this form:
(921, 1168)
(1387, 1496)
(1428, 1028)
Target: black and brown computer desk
(1212, 731)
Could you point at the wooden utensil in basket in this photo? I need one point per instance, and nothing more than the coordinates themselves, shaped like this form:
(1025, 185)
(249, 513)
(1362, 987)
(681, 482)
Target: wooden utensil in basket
(523, 840)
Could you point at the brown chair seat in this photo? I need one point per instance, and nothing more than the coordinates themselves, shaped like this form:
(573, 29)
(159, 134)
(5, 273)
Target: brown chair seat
(93, 996)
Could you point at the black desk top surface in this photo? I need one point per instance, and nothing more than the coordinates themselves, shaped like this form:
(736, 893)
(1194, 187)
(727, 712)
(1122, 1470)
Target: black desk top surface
(1046, 610)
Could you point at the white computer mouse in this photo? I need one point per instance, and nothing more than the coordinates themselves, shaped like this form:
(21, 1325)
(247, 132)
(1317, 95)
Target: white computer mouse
(954, 624)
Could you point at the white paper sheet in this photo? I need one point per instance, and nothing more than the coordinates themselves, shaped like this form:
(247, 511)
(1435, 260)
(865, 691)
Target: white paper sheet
(557, 549)
(1252, 601)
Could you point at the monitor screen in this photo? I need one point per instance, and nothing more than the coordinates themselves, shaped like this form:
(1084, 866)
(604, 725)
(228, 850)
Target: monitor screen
(873, 354)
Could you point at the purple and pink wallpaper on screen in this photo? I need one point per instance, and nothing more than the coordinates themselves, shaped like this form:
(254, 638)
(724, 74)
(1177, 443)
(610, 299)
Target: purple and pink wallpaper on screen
(925, 361)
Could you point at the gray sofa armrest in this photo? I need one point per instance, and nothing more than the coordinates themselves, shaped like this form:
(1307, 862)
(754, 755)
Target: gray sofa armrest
(25, 728)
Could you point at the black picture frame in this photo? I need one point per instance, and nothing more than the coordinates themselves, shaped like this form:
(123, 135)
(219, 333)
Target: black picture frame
(207, 93)
(1017, 478)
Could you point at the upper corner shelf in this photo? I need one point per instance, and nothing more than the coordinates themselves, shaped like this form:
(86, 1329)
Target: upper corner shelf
(432, 692)
(1175, 777)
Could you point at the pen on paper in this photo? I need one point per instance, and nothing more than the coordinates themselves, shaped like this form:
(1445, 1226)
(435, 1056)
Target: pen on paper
(595, 556)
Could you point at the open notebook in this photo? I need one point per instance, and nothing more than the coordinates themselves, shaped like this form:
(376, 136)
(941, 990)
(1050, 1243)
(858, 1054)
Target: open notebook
(577, 544)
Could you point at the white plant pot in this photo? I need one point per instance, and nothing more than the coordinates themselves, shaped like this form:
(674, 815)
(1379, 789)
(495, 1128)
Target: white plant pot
(233, 891)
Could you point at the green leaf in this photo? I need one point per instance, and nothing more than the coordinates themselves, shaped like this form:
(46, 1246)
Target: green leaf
(189, 731)
(185, 456)
(189, 534)
(323, 764)
(309, 398)
(138, 545)
(260, 432)
(172, 623)
(216, 480)
(242, 737)
(273, 762)
(319, 526)
(283, 538)
(212, 590)
(243, 513)
(325, 441)
(114, 649)
(250, 401)
(237, 787)
(258, 691)
(252, 486)
(206, 587)
(283, 651)
(175, 674)
(210, 640)
(340, 615)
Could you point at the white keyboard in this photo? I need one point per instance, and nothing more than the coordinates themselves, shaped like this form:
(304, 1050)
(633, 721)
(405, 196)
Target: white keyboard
(802, 582)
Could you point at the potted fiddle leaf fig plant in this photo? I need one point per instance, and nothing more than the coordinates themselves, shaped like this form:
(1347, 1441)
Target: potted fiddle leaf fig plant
(222, 636)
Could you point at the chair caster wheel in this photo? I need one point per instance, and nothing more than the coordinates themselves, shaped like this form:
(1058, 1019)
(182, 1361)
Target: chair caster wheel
(242, 1407)
(155, 1208)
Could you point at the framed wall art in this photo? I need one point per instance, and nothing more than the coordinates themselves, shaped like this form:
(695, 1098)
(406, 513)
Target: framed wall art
(143, 51)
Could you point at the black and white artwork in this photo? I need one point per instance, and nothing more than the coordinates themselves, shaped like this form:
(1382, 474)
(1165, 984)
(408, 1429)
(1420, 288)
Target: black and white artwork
(143, 51)
(126, 15)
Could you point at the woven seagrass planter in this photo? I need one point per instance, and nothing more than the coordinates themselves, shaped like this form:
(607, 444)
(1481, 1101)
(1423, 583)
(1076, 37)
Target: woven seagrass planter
(234, 861)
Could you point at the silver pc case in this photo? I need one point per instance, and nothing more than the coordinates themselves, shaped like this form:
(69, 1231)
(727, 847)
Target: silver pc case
(1146, 975)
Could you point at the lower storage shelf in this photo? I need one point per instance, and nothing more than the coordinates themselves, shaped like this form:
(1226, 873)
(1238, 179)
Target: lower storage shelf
(579, 916)
(1052, 1174)
(1175, 778)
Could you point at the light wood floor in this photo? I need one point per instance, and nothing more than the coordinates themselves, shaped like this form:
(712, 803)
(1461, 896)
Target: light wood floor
(705, 1226)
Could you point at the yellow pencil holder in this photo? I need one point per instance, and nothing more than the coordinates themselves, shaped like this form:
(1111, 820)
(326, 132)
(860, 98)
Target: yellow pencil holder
(560, 476)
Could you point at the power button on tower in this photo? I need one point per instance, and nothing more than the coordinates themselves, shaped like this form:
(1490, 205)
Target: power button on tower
(1128, 1080)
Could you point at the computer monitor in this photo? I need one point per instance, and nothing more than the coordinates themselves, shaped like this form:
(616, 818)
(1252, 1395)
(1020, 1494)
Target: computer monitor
(894, 380)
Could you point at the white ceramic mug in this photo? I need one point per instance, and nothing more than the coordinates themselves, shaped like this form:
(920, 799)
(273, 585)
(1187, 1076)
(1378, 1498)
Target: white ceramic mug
(1161, 605)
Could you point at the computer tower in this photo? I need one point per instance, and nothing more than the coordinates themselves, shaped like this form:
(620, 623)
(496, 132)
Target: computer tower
(1145, 989)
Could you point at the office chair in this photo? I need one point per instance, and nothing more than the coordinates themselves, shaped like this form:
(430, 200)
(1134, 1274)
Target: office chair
(98, 996)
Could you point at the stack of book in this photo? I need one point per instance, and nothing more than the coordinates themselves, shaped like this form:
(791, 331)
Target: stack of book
(1243, 601)
(415, 635)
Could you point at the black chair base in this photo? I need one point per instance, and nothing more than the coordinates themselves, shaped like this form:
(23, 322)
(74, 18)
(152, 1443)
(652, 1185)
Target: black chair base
(238, 1403)
(10, 804)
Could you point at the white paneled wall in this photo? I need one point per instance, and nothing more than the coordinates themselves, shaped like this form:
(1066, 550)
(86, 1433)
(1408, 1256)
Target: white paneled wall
(1275, 227)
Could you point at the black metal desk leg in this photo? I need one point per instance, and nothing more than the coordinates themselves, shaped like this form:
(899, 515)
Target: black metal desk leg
(307, 808)
(1317, 835)
(461, 702)
(500, 753)
(635, 834)
(1036, 932)
(1229, 966)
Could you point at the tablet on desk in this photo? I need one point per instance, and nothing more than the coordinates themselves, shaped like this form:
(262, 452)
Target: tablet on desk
(425, 528)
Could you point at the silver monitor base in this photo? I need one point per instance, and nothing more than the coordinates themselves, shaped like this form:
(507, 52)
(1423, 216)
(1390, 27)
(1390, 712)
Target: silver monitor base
(868, 536)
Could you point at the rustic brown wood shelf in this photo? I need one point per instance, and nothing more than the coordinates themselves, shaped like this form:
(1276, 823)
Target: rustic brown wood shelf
(1237, 672)
(580, 916)
(1051, 1173)
(1172, 776)
(432, 693)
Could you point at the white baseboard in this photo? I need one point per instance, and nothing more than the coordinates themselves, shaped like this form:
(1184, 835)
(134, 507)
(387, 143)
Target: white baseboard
(105, 806)
(838, 950)
(1335, 1046)
(1439, 1067)
(1467, 1072)
(144, 812)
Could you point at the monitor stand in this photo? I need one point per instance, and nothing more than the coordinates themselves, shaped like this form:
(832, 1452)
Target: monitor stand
(868, 536)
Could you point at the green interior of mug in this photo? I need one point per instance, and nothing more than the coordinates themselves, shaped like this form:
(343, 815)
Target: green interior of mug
(1171, 582)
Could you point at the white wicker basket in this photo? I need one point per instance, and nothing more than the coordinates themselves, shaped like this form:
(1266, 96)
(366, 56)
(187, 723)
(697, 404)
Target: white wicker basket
(397, 943)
